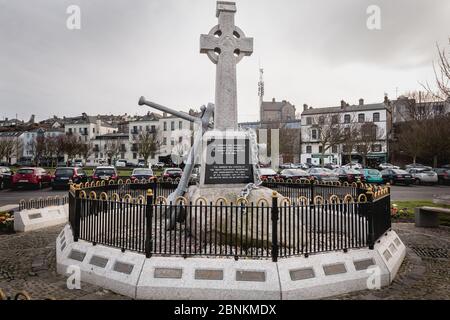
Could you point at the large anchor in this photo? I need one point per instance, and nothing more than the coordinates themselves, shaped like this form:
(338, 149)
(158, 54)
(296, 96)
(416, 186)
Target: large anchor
(204, 122)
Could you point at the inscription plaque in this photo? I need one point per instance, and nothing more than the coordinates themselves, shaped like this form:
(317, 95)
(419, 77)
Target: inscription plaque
(228, 161)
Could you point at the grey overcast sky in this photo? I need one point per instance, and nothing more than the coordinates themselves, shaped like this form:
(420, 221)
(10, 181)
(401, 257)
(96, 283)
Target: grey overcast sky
(313, 51)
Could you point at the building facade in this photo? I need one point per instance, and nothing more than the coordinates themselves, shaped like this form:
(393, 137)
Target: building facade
(323, 131)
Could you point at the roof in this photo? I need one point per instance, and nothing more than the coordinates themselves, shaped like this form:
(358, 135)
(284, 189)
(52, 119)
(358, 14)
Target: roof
(274, 105)
(353, 108)
(148, 117)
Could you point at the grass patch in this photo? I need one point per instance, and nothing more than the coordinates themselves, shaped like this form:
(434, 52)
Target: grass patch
(406, 211)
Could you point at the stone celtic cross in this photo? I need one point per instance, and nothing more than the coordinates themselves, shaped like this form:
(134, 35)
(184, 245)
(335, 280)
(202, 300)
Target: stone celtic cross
(225, 46)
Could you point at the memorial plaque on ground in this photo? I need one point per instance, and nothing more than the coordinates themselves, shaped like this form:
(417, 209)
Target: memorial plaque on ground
(228, 161)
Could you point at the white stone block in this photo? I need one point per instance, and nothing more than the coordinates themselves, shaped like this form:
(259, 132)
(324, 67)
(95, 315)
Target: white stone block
(328, 274)
(208, 279)
(392, 250)
(35, 219)
(99, 265)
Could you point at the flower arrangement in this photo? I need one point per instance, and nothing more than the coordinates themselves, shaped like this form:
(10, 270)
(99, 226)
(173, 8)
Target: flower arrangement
(6, 222)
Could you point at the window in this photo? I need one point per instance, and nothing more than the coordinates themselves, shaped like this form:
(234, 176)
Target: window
(180, 125)
(164, 140)
(165, 126)
(314, 134)
(376, 148)
(153, 128)
(172, 125)
(334, 149)
(347, 118)
(134, 155)
(308, 149)
(320, 149)
(321, 120)
(135, 130)
(93, 130)
(376, 117)
(361, 118)
(309, 121)
(335, 119)
(180, 139)
(172, 142)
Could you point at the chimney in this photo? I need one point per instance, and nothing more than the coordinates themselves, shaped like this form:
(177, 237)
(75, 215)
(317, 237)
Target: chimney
(305, 107)
(386, 99)
(164, 114)
(343, 103)
(361, 102)
(273, 99)
(284, 101)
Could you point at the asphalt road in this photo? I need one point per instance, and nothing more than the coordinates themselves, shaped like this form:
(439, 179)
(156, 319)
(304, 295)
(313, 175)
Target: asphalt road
(418, 192)
(398, 193)
(14, 197)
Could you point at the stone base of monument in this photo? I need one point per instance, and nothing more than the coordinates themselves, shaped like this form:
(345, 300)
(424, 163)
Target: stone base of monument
(103, 266)
(249, 227)
(318, 276)
(35, 219)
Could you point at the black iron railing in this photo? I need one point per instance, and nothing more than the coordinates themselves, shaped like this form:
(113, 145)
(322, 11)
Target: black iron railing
(136, 217)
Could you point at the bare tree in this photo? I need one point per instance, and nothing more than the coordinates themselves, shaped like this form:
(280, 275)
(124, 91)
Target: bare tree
(329, 133)
(410, 139)
(148, 144)
(442, 74)
(7, 148)
(86, 150)
(370, 135)
(71, 146)
(112, 150)
(38, 149)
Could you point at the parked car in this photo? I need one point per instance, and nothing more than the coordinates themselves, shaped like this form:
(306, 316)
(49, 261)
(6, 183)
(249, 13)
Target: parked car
(105, 173)
(443, 175)
(417, 166)
(423, 176)
(267, 173)
(384, 166)
(24, 162)
(353, 165)
(121, 163)
(78, 163)
(331, 166)
(172, 173)
(372, 175)
(141, 173)
(294, 174)
(35, 177)
(285, 165)
(323, 175)
(395, 176)
(142, 163)
(5, 177)
(63, 176)
(159, 165)
(349, 175)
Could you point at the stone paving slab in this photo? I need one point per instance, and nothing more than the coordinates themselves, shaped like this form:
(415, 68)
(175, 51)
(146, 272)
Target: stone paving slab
(27, 262)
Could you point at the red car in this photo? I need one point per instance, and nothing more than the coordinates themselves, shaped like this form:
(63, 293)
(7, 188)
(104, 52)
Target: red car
(35, 177)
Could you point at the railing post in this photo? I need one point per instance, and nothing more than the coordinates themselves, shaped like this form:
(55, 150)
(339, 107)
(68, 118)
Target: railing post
(274, 217)
(77, 215)
(148, 223)
(370, 219)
